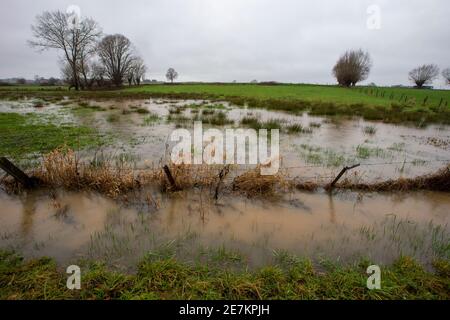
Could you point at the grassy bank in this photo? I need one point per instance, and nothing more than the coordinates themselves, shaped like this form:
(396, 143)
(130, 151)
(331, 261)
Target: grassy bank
(169, 279)
(386, 104)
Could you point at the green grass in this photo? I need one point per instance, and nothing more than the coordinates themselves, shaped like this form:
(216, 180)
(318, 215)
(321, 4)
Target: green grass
(24, 134)
(301, 92)
(290, 278)
(394, 105)
(150, 119)
(298, 128)
(256, 124)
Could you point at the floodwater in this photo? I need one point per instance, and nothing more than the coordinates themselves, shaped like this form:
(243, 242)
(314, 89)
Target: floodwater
(344, 226)
(392, 151)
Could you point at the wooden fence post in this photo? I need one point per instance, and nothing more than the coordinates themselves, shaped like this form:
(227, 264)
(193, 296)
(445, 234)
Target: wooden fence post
(18, 174)
(170, 178)
(332, 184)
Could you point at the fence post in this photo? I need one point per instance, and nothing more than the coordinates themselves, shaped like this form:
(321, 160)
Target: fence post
(332, 184)
(222, 175)
(170, 178)
(18, 174)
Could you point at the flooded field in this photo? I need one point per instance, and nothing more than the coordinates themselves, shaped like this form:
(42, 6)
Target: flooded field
(241, 231)
(190, 226)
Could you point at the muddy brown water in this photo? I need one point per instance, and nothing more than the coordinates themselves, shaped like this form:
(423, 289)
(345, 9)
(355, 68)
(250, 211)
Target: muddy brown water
(345, 226)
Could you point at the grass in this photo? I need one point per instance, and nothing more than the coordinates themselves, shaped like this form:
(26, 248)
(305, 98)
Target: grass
(370, 130)
(142, 111)
(150, 119)
(298, 128)
(319, 156)
(24, 134)
(396, 105)
(365, 152)
(298, 92)
(113, 117)
(256, 124)
(169, 279)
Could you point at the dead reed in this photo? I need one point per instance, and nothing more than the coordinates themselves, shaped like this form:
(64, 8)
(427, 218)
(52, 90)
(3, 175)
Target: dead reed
(252, 183)
(62, 168)
(437, 181)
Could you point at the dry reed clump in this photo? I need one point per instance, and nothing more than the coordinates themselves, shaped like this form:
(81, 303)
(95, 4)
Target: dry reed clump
(252, 183)
(185, 176)
(438, 181)
(61, 168)
(306, 185)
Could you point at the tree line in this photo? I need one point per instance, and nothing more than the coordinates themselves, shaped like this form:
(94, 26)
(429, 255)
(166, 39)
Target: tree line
(89, 58)
(354, 66)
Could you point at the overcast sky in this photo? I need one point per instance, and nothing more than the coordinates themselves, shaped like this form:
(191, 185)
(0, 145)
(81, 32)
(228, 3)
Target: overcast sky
(226, 40)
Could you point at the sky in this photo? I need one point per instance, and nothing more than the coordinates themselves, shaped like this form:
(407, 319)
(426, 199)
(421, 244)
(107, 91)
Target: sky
(242, 40)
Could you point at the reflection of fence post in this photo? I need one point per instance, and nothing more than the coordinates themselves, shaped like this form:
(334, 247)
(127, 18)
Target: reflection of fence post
(222, 175)
(17, 174)
(332, 184)
(170, 178)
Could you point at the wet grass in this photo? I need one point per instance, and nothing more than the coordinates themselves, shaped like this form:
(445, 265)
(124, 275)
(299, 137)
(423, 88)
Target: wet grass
(370, 130)
(25, 134)
(141, 111)
(169, 279)
(150, 119)
(317, 100)
(365, 152)
(113, 117)
(256, 124)
(298, 128)
(318, 156)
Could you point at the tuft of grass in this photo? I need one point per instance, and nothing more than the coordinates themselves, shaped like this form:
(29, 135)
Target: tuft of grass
(365, 152)
(370, 130)
(142, 111)
(150, 119)
(256, 124)
(113, 117)
(298, 128)
(170, 279)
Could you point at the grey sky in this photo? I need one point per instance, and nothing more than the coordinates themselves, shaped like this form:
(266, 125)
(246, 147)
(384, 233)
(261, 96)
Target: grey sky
(225, 40)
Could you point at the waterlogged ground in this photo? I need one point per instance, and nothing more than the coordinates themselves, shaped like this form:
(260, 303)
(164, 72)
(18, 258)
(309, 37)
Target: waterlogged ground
(239, 231)
(316, 149)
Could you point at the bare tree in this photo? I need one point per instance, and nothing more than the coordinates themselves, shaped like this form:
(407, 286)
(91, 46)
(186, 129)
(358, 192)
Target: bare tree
(352, 67)
(98, 73)
(424, 74)
(446, 75)
(53, 30)
(116, 54)
(139, 70)
(171, 74)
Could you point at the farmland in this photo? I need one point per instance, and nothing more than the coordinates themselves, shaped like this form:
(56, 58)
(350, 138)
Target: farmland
(395, 105)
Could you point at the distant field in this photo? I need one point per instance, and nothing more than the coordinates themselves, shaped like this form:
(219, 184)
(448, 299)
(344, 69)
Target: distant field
(394, 105)
(311, 93)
